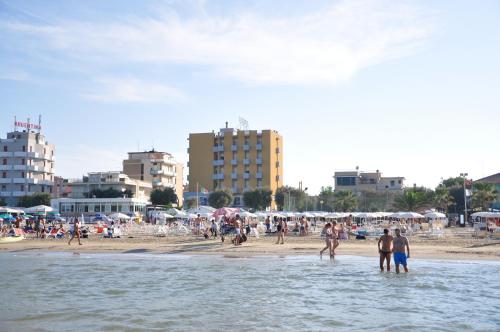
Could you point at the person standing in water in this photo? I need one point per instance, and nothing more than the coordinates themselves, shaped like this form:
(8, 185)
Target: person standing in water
(328, 239)
(399, 244)
(76, 232)
(280, 229)
(385, 251)
(335, 238)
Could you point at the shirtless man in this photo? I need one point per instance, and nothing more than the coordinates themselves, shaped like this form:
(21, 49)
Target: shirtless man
(385, 251)
(398, 248)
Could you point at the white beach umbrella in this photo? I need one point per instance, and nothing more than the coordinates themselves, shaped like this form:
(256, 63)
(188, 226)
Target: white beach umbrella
(119, 216)
(39, 208)
(246, 214)
(435, 215)
(407, 215)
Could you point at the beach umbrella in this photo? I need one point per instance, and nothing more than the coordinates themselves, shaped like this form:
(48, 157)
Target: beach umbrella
(118, 216)
(39, 209)
(7, 217)
(246, 214)
(5, 209)
(406, 215)
(435, 215)
(226, 212)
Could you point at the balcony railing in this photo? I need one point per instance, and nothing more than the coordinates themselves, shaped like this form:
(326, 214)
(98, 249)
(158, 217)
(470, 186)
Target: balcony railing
(258, 146)
(258, 161)
(218, 176)
(234, 162)
(246, 176)
(218, 162)
(234, 147)
(218, 148)
(156, 171)
(234, 176)
(258, 175)
(246, 161)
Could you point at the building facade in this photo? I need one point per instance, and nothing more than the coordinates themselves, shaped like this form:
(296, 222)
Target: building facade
(76, 207)
(82, 188)
(235, 160)
(158, 168)
(26, 164)
(493, 179)
(358, 181)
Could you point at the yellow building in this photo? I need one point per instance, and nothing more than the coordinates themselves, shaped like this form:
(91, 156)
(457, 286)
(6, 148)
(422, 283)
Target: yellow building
(236, 160)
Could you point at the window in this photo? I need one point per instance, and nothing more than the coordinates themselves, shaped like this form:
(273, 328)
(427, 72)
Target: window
(4, 174)
(4, 187)
(5, 161)
(23, 174)
(113, 208)
(399, 181)
(23, 161)
(85, 208)
(237, 201)
(246, 184)
(393, 183)
(346, 181)
(372, 181)
(259, 183)
(22, 187)
(24, 148)
(31, 149)
(97, 208)
(5, 149)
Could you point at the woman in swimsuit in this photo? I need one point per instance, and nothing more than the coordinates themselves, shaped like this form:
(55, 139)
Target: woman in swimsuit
(281, 232)
(328, 239)
(76, 232)
(335, 240)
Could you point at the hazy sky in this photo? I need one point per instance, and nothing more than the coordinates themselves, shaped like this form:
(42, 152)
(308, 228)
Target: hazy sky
(411, 88)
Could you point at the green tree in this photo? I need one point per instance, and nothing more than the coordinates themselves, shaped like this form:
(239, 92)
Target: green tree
(453, 182)
(257, 199)
(442, 198)
(290, 198)
(220, 198)
(483, 195)
(345, 201)
(413, 200)
(165, 196)
(34, 200)
(327, 195)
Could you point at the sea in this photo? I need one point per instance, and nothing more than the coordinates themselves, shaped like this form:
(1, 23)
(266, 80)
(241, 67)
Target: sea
(47, 291)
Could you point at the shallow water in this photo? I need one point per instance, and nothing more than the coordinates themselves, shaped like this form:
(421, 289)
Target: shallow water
(147, 292)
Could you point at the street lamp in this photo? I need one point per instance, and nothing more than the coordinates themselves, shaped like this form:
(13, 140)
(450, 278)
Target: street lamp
(305, 191)
(464, 175)
(321, 204)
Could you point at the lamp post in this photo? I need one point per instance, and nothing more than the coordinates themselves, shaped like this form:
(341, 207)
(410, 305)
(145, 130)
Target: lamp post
(305, 191)
(321, 204)
(464, 175)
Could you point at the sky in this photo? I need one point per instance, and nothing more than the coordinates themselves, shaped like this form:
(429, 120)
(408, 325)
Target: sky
(411, 88)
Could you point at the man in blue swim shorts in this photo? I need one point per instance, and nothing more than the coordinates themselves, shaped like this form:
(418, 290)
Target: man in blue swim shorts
(399, 244)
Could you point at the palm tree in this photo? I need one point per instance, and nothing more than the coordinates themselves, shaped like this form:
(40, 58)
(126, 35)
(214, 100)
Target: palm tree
(483, 195)
(412, 201)
(442, 198)
(345, 201)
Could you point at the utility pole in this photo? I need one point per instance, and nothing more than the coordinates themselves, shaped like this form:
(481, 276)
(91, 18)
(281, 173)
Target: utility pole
(464, 175)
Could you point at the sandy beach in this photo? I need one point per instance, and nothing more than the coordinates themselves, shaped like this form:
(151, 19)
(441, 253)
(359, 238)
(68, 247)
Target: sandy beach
(452, 246)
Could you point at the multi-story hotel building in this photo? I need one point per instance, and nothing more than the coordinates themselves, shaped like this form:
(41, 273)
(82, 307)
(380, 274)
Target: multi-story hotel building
(236, 160)
(26, 164)
(358, 181)
(80, 200)
(158, 168)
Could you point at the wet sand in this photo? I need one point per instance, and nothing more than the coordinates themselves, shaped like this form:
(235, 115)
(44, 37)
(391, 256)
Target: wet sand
(451, 246)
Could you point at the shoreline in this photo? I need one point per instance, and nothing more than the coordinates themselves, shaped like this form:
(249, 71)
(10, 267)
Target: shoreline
(446, 248)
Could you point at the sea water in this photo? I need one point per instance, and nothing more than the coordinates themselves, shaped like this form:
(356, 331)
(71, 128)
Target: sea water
(152, 292)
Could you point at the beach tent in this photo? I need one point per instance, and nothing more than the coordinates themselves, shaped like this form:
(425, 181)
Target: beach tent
(6, 209)
(42, 209)
(119, 216)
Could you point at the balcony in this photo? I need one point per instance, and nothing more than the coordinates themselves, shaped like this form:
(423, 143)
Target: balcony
(234, 162)
(258, 146)
(218, 176)
(157, 182)
(277, 177)
(246, 176)
(25, 154)
(258, 161)
(218, 162)
(246, 147)
(170, 173)
(156, 171)
(18, 193)
(246, 161)
(5, 167)
(6, 154)
(5, 180)
(234, 147)
(234, 176)
(278, 150)
(234, 190)
(258, 175)
(218, 148)
(5, 193)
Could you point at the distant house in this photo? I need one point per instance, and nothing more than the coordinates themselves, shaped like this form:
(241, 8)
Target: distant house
(494, 180)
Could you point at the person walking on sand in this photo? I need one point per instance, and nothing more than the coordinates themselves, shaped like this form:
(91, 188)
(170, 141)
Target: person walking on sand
(280, 229)
(328, 239)
(335, 238)
(76, 232)
(385, 251)
(237, 227)
(399, 244)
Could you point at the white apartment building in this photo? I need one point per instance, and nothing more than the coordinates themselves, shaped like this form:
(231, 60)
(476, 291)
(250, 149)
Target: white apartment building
(81, 188)
(26, 163)
(158, 168)
(358, 181)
